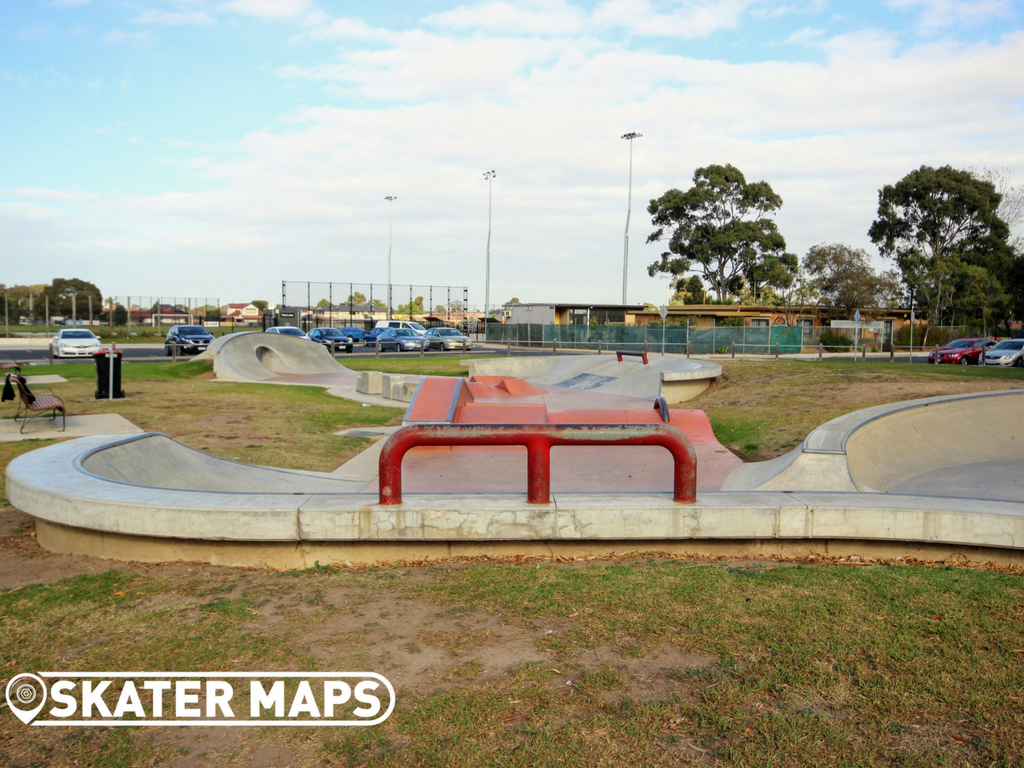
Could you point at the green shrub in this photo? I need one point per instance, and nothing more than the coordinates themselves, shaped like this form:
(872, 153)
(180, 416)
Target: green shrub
(835, 341)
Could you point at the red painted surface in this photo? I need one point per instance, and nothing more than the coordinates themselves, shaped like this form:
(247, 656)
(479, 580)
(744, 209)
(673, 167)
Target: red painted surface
(538, 440)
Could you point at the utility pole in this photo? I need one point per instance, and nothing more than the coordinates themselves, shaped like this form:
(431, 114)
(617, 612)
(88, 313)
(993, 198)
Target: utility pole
(391, 200)
(489, 175)
(629, 209)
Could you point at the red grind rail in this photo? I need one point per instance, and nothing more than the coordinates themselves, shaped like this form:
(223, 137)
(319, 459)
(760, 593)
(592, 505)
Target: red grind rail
(538, 440)
(620, 354)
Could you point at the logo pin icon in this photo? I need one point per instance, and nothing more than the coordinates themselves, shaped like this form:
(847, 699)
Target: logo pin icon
(22, 692)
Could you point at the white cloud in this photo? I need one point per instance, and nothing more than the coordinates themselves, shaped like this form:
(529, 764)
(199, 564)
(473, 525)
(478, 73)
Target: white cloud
(554, 18)
(172, 18)
(49, 195)
(935, 15)
(344, 29)
(268, 9)
(695, 19)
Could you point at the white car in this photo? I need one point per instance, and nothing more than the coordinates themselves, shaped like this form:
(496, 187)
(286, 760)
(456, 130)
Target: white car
(1006, 353)
(287, 330)
(75, 342)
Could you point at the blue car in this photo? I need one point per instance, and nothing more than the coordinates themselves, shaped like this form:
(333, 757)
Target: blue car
(356, 334)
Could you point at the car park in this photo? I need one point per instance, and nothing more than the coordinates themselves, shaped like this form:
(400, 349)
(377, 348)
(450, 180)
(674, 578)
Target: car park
(962, 352)
(400, 340)
(75, 342)
(187, 338)
(409, 324)
(332, 338)
(447, 338)
(1009, 352)
(287, 330)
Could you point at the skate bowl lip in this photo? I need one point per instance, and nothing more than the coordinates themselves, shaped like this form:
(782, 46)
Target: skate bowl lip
(51, 484)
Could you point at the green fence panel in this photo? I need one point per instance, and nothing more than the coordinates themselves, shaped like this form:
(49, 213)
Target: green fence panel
(790, 339)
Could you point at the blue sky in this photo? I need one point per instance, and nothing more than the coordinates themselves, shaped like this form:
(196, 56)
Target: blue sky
(217, 147)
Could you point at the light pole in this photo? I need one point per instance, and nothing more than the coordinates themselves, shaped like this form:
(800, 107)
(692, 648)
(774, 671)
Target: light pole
(391, 201)
(489, 175)
(629, 209)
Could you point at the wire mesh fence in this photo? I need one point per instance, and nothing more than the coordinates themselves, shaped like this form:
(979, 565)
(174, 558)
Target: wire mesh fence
(329, 303)
(670, 339)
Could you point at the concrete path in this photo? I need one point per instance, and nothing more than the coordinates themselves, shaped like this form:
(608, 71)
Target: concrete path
(78, 426)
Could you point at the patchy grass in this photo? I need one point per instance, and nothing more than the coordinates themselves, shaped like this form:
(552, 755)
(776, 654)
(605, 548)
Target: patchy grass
(763, 409)
(427, 365)
(878, 665)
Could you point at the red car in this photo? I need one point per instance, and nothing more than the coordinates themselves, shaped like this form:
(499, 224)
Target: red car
(962, 352)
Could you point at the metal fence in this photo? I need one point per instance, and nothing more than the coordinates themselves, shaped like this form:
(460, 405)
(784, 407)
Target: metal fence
(672, 339)
(358, 302)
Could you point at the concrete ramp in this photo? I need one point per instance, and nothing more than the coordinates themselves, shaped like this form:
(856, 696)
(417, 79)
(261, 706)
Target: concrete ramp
(966, 446)
(675, 378)
(269, 356)
(157, 461)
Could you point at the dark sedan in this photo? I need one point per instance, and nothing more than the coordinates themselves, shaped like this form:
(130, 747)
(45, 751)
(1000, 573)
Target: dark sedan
(331, 338)
(187, 338)
(962, 352)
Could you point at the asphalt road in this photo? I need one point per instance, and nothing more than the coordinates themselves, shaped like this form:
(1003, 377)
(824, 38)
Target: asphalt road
(152, 353)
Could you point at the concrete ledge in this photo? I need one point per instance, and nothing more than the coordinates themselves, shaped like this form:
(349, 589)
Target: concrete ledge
(49, 484)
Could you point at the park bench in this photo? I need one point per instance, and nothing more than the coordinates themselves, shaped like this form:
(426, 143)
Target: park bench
(31, 406)
(8, 365)
(621, 353)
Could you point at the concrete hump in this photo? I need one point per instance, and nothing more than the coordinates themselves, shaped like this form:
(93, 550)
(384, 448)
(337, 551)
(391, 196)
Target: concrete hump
(264, 356)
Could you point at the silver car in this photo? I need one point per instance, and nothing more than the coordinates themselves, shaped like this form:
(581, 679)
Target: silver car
(75, 342)
(1006, 353)
(447, 338)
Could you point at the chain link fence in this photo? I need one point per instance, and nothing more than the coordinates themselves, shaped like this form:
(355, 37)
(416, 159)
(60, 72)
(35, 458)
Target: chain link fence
(637, 338)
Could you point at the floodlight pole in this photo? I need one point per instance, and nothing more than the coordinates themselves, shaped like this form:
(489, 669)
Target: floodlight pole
(391, 200)
(489, 175)
(629, 209)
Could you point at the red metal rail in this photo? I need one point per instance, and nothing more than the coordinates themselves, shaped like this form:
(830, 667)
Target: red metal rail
(642, 355)
(538, 440)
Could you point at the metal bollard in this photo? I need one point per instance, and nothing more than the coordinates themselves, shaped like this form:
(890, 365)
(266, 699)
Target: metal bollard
(645, 346)
(821, 348)
(734, 350)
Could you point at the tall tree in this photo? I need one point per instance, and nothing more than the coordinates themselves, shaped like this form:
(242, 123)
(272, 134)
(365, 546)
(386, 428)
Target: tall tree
(843, 277)
(724, 225)
(936, 224)
(62, 290)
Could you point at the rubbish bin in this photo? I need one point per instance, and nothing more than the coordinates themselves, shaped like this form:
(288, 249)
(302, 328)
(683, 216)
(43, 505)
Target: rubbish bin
(108, 376)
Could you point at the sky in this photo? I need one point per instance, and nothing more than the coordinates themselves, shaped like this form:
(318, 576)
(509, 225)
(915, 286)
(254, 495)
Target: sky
(218, 147)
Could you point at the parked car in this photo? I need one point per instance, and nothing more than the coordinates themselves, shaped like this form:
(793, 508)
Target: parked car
(412, 326)
(447, 338)
(400, 339)
(370, 338)
(331, 338)
(189, 338)
(75, 342)
(962, 352)
(356, 334)
(1006, 353)
(287, 330)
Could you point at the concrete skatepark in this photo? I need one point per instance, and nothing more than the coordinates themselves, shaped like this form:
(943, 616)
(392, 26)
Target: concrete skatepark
(928, 478)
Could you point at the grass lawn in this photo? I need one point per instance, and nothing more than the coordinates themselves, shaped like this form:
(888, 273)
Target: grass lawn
(632, 661)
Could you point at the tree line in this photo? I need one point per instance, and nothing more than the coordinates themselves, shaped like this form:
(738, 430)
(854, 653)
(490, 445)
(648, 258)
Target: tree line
(947, 233)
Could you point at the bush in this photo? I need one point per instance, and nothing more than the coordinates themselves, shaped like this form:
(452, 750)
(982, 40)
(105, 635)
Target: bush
(835, 341)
